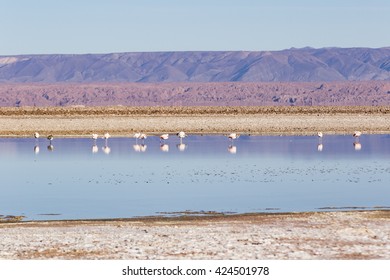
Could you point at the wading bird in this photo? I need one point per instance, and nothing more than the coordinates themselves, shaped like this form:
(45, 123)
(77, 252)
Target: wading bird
(233, 136)
(94, 136)
(181, 135)
(143, 137)
(36, 135)
(164, 137)
(106, 136)
(357, 134)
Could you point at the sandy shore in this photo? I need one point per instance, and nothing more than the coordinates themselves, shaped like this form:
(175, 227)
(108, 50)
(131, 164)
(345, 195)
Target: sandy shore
(328, 235)
(125, 121)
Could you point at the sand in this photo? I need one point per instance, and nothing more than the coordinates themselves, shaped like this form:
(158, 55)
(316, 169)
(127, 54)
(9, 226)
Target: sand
(327, 235)
(124, 121)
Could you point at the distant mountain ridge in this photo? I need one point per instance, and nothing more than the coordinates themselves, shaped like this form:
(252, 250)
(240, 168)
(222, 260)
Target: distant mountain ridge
(292, 65)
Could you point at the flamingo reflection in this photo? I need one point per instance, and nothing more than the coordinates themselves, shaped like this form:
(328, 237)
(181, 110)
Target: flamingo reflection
(357, 146)
(181, 147)
(320, 147)
(36, 149)
(106, 150)
(140, 148)
(164, 148)
(95, 149)
(232, 149)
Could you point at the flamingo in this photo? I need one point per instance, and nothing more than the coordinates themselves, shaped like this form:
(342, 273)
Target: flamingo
(357, 134)
(233, 136)
(181, 135)
(137, 135)
(94, 136)
(320, 146)
(50, 138)
(164, 137)
(143, 137)
(106, 136)
(36, 135)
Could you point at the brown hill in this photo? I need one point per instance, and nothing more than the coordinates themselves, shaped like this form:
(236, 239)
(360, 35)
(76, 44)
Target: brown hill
(196, 94)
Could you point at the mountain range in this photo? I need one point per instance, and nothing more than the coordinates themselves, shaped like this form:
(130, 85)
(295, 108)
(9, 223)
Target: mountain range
(291, 65)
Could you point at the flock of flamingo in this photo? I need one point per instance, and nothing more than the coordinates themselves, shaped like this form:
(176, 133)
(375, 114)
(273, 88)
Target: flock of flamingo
(356, 144)
(181, 146)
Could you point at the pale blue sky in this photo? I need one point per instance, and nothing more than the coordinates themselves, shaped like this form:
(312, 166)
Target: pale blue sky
(102, 26)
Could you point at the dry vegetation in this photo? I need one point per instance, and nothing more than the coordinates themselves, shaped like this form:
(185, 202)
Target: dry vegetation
(189, 110)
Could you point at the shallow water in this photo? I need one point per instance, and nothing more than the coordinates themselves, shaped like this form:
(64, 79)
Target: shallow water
(77, 180)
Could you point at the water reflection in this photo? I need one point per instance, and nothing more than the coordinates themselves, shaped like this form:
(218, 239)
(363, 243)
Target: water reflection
(320, 147)
(164, 148)
(232, 149)
(357, 146)
(106, 150)
(95, 149)
(181, 147)
(268, 172)
(50, 148)
(140, 148)
(36, 149)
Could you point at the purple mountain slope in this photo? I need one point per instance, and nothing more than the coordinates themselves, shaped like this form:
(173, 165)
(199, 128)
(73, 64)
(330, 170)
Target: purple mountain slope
(293, 65)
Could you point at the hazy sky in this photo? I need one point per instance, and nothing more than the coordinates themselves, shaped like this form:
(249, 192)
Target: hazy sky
(101, 26)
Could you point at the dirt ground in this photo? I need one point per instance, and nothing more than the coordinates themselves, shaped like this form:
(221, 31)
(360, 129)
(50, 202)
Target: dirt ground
(124, 121)
(326, 235)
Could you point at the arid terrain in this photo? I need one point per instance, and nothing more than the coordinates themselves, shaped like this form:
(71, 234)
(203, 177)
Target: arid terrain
(124, 121)
(367, 93)
(327, 235)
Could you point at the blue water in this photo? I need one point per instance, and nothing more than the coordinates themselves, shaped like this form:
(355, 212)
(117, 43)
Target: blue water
(75, 180)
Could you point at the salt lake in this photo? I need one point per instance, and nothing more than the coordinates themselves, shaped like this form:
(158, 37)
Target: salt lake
(77, 178)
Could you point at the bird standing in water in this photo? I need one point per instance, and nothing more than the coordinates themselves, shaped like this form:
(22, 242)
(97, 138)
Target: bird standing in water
(181, 135)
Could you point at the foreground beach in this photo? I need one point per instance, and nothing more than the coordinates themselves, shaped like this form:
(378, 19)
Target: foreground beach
(124, 121)
(327, 235)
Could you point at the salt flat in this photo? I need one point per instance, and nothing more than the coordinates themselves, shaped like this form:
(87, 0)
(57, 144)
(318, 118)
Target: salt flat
(327, 235)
